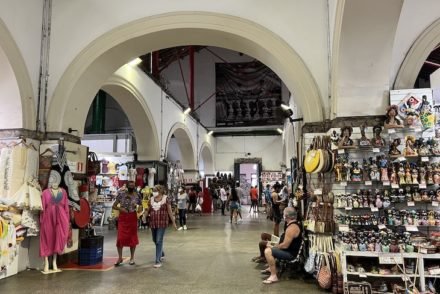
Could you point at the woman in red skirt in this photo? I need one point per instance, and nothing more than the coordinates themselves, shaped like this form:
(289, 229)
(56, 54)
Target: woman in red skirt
(127, 202)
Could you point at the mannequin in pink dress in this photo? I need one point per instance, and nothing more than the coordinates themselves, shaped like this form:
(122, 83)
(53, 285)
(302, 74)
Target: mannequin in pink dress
(54, 221)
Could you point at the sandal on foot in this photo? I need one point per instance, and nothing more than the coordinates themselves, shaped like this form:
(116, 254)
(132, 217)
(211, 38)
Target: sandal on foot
(265, 272)
(118, 263)
(269, 281)
(131, 262)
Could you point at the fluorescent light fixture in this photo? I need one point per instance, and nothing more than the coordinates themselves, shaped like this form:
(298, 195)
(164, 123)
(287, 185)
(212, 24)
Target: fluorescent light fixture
(188, 110)
(280, 130)
(135, 61)
(210, 133)
(285, 107)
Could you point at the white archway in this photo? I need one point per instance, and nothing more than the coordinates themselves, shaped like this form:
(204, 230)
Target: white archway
(417, 55)
(179, 146)
(206, 159)
(134, 105)
(16, 95)
(86, 74)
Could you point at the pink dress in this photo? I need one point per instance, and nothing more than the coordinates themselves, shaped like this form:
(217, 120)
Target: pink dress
(54, 221)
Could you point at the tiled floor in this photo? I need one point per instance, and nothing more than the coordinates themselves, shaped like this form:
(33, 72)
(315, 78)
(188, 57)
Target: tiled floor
(212, 256)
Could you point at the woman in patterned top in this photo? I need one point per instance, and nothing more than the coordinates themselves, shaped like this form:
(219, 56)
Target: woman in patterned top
(160, 212)
(128, 203)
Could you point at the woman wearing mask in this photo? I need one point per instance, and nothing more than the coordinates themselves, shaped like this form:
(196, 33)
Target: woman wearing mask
(128, 203)
(182, 202)
(160, 212)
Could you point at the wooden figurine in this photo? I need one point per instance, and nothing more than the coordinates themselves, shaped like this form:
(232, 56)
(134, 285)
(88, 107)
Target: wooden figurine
(392, 122)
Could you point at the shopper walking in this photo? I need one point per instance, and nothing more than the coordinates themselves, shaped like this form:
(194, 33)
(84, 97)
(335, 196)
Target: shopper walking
(254, 199)
(223, 199)
(128, 203)
(234, 204)
(182, 203)
(268, 200)
(159, 212)
(240, 194)
(192, 200)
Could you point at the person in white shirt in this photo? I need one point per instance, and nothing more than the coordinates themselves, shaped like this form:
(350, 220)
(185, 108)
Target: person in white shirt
(182, 203)
(223, 198)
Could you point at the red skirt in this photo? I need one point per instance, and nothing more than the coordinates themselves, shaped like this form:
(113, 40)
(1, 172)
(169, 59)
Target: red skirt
(127, 230)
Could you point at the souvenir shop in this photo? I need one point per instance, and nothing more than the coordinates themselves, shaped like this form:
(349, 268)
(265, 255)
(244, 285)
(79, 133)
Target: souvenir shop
(43, 201)
(372, 217)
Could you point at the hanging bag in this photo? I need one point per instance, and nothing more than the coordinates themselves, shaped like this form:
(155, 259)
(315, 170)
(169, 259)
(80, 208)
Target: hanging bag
(309, 266)
(93, 164)
(311, 161)
(324, 274)
(321, 155)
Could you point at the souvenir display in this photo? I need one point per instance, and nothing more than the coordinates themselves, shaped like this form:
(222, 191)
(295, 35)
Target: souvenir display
(377, 140)
(345, 140)
(386, 201)
(392, 121)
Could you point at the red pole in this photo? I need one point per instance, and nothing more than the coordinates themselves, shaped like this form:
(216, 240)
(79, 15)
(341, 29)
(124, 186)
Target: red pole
(191, 77)
(155, 64)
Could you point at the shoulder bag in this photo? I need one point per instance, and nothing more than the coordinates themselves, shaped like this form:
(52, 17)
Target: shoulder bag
(311, 160)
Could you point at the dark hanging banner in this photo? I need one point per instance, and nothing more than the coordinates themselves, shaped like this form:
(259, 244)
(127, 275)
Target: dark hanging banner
(248, 94)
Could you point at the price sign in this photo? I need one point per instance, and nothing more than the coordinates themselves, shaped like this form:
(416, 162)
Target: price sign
(343, 184)
(411, 228)
(318, 192)
(348, 208)
(435, 203)
(368, 183)
(341, 151)
(395, 186)
(386, 183)
(411, 203)
(390, 259)
(363, 276)
(423, 250)
(422, 186)
(381, 227)
(344, 228)
(376, 150)
(374, 209)
(419, 129)
(425, 159)
(405, 278)
(358, 288)
(391, 131)
(401, 158)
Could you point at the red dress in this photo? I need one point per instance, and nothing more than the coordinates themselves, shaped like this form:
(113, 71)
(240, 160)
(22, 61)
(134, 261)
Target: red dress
(127, 222)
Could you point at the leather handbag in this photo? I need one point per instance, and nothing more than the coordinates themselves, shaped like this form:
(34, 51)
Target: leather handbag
(312, 158)
(93, 164)
(324, 274)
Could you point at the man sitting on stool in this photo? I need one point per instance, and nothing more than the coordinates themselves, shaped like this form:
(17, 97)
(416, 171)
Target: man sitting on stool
(288, 248)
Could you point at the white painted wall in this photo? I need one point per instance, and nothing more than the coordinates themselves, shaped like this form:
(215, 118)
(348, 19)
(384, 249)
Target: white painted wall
(269, 148)
(435, 79)
(157, 103)
(9, 96)
(415, 17)
(174, 153)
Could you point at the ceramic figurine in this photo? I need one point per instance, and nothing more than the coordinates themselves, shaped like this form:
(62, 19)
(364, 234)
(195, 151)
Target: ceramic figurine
(412, 118)
(365, 167)
(356, 172)
(379, 202)
(429, 174)
(415, 176)
(364, 141)
(334, 138)
(401, 174)
(393, 179)
(383, 164)
(437, 195)
(408, 177)
(409, 149)
(338, 171)
(393, 148)
(422, 175)
(392, 122)
(436, 176)
(422, 147)
(425, 196)
(374, 170)
(345, 140)
(347, 168)
(378, 141)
